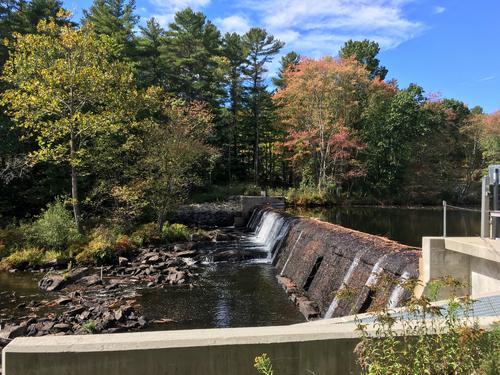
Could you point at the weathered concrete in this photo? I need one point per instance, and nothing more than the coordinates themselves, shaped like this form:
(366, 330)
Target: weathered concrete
(293, 350)
(473, 261)
(248, 203)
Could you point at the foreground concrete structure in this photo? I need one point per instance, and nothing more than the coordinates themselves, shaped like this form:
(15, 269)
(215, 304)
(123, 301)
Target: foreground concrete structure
(474, 261)
(293, 349)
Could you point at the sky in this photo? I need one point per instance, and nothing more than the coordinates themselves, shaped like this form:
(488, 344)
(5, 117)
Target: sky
(449, 47)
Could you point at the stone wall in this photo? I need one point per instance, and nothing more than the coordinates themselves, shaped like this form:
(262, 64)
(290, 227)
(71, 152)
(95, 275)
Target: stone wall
(326, 263)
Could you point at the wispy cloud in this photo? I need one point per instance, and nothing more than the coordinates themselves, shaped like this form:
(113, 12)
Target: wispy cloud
(488, 78)
(319, 27)
(439, 9)
(164, 10)
(233, 24)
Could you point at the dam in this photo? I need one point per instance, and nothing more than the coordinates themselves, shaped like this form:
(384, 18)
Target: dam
(329, 272)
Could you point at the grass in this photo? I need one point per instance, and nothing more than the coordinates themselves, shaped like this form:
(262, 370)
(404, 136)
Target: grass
(31, 257)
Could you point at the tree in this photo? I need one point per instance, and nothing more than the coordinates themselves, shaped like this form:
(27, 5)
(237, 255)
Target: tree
(192, 44)
(151, 69)
(320, 104)
(365, 52)
(173, 146)
(261, 49)
(66, 88)
(116, 19)
(289, 61)
(236, 54)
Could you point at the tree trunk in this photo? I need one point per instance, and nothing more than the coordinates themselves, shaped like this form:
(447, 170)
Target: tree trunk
(74, 186)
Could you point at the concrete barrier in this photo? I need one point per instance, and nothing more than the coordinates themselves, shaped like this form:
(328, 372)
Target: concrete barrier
(299, 349)
(472, 260)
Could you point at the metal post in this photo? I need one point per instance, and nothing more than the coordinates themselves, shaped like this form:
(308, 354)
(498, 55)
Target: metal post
(495, 205)
(485, 208)
(444, 218)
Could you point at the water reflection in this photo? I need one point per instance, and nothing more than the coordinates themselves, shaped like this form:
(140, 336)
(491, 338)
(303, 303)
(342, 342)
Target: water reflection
(405, 225)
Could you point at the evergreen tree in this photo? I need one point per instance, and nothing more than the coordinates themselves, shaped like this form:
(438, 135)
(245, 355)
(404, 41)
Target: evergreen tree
(365, 52)
(114, 18)
(151, 70)
(289, 60)
(262, 47)
(236, 54)
(190, 57)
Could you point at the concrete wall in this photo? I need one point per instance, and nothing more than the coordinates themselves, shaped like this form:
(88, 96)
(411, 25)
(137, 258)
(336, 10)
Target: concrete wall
(473, 261)
(293, 350)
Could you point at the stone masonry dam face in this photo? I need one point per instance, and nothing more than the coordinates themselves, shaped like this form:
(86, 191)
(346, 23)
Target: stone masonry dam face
(331, 271)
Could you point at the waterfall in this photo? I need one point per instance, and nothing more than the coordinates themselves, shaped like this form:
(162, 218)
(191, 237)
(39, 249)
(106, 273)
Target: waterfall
(376, 271)
(270, 230)
(335, 303)
(398, 291)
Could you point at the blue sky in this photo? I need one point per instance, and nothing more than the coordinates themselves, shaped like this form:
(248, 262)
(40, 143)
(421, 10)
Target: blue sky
(451, 47)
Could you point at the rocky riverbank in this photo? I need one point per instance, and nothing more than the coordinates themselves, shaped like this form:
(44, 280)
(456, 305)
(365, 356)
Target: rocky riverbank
(104, 299)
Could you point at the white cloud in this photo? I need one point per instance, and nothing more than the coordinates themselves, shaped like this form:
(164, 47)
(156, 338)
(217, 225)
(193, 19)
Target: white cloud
(166, 9)
(319, 27)
(488, 78)
(439, 9)
(233, 24)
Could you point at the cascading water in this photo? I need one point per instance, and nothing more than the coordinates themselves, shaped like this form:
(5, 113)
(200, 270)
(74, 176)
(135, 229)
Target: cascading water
(399, 291)
(269, 230)
(335, 303)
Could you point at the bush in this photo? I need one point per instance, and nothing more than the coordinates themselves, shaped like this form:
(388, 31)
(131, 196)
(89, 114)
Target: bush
(32, 257)
(437, 340)
(309, 197)
(146, 234)
(123, 246)
(175, 232)
(11, 238)
(54, 229)
(100, 249)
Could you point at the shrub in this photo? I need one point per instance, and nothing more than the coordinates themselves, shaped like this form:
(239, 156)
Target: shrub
(175, 232)
(123, 246)
(99, 250)
(54, 229)
(263, 365)
(32, 257)
(11, 238)
(437, 340)
(146, 234)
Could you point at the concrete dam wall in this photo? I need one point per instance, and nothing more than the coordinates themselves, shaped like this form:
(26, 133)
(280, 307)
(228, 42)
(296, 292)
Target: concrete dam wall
(331, 271)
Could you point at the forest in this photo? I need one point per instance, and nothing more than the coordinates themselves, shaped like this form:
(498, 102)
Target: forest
(122, 120)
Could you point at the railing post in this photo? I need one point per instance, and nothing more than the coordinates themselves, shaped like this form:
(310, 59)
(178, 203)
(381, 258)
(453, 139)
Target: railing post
(485, 208)
(444, 218)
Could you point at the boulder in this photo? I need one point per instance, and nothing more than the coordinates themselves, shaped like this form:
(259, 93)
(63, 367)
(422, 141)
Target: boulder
(57, 281)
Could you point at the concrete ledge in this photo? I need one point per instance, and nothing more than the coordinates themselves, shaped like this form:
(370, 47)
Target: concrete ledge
(484, 248)
(293, 350)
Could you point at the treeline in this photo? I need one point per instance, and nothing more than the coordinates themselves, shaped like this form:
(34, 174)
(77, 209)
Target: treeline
(128, 121)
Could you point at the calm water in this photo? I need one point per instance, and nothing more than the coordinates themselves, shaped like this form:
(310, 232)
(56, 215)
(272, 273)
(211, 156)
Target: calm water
(405, 225)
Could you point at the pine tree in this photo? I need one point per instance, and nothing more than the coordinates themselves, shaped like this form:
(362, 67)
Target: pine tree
(116, 19)
(262, 47)
(236, 54)
(289, 60)
(190, 57)
(151, 70)
(365, 52)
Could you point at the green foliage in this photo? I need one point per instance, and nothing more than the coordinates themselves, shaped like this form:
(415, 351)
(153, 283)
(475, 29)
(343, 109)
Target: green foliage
(263, 365)
(175, 232)
(146, 234)
(11, 238)
(31, 257)
(438, 340)
(54, 229)
(89, 326)
(365, 52)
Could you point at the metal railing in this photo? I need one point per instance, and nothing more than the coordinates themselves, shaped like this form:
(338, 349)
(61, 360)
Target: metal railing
(445, 208)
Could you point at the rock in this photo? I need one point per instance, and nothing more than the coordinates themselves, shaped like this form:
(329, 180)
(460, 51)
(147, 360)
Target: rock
(153, 259)
(61, 327)
(307, 308)
(11, 331)
(75, 310)
(233, 256)
(63, 300)
(122, 261)
(90, 280)
(56, 281)
(142, 321)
